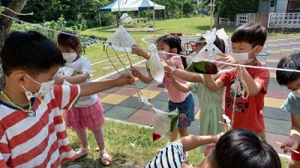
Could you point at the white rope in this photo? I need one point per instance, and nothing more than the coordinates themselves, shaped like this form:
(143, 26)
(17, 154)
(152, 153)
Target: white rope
(203, 59)
(16, 12)
(46, 28)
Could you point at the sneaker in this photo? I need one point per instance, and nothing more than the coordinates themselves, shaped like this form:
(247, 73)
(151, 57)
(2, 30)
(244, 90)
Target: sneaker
(82, 152)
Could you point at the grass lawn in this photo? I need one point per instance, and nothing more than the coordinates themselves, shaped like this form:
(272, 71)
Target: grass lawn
(129, 145)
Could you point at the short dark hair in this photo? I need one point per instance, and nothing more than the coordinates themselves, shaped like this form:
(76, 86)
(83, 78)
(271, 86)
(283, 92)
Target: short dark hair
(218, 43)
(68, 39)
(251, 33)
(173, 42)
(289, 62)
(243, 148)
(29, 51)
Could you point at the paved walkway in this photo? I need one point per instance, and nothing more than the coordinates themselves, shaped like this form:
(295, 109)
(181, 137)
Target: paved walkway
(122, 103)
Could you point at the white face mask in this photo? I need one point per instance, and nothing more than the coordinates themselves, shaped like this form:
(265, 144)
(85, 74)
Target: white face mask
(69, 57)
(242, 58)
(296, 93)
(45, 87)
(162, 55)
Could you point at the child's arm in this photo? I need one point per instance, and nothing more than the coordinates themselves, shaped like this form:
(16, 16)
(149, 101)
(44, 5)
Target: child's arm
(294, 138)
(253, 86)
(144, 78)
(192, 142)
(78, 78)
(136, 50)
(96, 87)
(180, 86)
(182, 74)
(213, 85)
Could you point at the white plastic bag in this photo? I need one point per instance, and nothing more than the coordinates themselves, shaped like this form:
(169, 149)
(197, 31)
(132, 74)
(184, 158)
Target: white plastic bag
(164, 123)
(155, 66)
(121, 40)
(125, 18)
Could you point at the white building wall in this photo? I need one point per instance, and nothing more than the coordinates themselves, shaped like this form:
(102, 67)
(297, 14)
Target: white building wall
(281, 6)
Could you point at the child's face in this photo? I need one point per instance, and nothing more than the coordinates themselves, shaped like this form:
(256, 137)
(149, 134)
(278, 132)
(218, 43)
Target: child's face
(244, 47)
(199, 47)
(46, 76)
(162, 46)
(64, 49)
(295, 85)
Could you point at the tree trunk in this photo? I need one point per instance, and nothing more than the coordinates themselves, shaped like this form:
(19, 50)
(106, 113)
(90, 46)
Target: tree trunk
(5, 24)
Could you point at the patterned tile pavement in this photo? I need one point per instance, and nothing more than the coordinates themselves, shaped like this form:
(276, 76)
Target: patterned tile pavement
(122, 103)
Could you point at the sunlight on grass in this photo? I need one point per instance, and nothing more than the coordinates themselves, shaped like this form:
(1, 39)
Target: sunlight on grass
(129, 146)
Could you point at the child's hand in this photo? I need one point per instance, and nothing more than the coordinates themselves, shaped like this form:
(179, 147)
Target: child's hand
(58, 80)
(291, 143)
(125, 79)
(225, 58)
(170, 77)
(135, 72)
(136, 50)
(167, 67)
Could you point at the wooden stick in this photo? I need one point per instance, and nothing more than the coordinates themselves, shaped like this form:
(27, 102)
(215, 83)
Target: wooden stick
(288, 147)
(128, 57)
(223, 123)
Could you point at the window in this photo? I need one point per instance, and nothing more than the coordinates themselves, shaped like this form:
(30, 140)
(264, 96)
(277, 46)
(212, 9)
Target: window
(293, 6)
(272, 4)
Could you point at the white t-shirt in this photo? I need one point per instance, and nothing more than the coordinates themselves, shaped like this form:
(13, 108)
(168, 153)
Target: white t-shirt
(80, 65)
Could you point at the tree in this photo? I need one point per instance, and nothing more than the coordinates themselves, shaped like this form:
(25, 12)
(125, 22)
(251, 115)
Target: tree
(5, 23)
(229, 8)
(187, 8)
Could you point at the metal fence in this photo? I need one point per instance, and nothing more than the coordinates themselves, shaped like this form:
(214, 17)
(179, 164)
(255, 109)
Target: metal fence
(284, 20)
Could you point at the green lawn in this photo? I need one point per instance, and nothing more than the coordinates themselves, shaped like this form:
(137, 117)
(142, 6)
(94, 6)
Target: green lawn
(129, 145)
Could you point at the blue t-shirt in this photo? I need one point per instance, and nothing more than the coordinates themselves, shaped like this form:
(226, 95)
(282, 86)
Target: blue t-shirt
(292, 104)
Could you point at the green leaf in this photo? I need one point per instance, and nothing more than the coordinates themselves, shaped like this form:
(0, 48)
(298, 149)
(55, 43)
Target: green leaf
(2, 9)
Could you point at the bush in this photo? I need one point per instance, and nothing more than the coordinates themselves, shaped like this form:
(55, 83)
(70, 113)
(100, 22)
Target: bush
(229, 8)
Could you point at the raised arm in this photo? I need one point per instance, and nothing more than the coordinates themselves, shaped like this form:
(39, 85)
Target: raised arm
(213, 85)
(180, 86)
(136, 50)
(253, 86)
(143, 77)
(182, 74)
(96, 87)
(192, 142)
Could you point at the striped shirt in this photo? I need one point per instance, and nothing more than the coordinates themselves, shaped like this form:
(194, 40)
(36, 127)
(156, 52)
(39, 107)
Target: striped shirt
(170, 157)
(39, 141)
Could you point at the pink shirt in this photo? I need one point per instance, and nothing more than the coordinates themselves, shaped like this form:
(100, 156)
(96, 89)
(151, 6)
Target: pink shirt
(175, 95)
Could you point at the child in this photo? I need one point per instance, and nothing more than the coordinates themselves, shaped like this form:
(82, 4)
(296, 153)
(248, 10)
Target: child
(88, 110)
(210, 102)
(184, 102)
(247, 42)
(292, 104)
(238, 148)
(32, 133)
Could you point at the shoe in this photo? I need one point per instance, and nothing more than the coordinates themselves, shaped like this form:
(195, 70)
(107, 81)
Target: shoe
(82, 152)
(105, 157)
